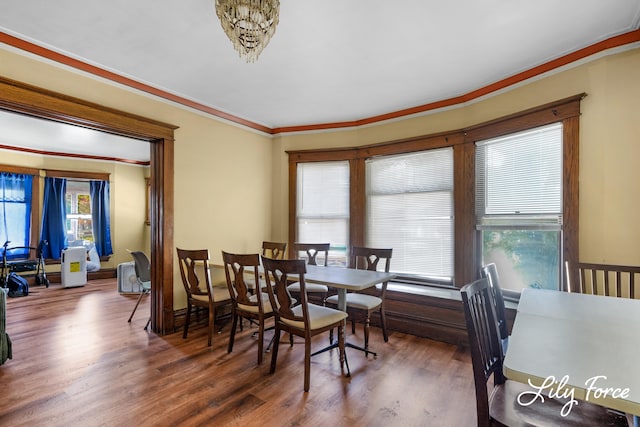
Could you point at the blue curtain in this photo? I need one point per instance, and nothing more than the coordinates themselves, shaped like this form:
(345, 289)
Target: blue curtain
(15, 212)
(54, 216)
(100, 216)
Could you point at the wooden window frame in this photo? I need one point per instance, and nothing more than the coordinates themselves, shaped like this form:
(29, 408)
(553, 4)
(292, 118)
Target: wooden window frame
(467, 258)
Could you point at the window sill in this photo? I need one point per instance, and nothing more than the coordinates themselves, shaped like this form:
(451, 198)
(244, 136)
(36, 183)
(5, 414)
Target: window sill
(438, 292)
(425, 290)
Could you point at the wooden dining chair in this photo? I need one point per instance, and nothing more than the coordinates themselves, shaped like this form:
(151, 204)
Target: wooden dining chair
(196, 278)
(361, 304)
(249, 305)
(305, 320)
(602, 279)
(490, 272)
(499, 406)
(313, 254)
(275, 250)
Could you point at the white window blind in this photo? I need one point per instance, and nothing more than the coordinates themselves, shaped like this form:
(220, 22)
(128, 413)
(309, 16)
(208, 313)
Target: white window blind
(519, 206)
(520, 174)
(323, 203)
(410, 209)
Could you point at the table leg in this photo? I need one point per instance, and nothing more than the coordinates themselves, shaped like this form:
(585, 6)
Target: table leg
(342, 305)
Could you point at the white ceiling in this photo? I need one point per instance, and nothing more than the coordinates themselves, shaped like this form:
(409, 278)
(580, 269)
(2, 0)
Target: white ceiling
(330, 61)
(45, 136)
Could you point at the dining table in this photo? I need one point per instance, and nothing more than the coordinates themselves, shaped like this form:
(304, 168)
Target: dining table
(344, 280)
(578, 346)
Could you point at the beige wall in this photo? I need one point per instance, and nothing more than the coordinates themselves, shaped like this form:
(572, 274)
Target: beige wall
(609, 147)
(231, 183)
(127, 191)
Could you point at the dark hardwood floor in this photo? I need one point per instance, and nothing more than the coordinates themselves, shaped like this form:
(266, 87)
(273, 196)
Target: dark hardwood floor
(77, 362)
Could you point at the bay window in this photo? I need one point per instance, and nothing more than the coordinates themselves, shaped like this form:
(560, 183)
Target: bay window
(503, 191)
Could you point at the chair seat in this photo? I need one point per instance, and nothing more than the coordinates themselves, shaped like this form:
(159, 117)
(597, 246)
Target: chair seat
(357, 300)
(220, 293)
(503, 407)
(146, 286)
(319, 317)
(311, 287)
(266, 305)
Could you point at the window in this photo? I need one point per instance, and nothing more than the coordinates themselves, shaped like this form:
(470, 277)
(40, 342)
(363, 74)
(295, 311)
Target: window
(323, 206)
(76, 211)
(79, 226)
(519, 206)
(15, 213)
(410, 209)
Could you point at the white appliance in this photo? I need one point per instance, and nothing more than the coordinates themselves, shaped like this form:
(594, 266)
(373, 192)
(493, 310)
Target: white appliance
(73, 267)
(127, 279)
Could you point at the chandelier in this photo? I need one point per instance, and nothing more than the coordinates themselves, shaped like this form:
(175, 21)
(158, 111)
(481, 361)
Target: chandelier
(249, 24)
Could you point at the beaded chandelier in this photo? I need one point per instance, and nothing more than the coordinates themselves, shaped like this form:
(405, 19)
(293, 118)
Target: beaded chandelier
(249, 24)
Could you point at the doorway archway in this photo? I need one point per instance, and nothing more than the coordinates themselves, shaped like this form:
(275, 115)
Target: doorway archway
(22, 98)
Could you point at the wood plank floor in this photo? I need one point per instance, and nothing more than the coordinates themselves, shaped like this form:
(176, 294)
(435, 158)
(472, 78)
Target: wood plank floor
(77, 362)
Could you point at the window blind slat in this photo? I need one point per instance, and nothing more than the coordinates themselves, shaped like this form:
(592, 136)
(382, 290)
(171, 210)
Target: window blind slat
(323, 203)
(520, 173)
(410, 209)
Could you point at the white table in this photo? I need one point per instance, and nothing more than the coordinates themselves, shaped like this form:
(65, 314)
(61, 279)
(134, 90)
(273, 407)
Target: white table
(582, 337)
(345, 279)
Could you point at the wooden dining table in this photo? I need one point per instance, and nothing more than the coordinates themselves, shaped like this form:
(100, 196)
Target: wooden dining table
(580, 346)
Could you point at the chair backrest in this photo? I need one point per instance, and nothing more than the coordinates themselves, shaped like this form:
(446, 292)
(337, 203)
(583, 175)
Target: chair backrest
(277, 273)
(368, 258)
(194, 268)
(602, 279)
(235, 268)
(312, 251)
(490, 272)
(363, 258)
(275, 250)
(484, 341)
(142, 266)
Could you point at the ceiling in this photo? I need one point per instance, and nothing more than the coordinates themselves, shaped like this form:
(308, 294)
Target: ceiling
(330, 61)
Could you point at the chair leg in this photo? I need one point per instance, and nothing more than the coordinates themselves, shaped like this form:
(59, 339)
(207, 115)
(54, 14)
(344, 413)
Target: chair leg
(260, 340)
(307, 363)
(366, 332)
(232, 334)
(383, 322)
(186, 322)
(146, 327)
(212, 318)
(143, 293)
(274, 352)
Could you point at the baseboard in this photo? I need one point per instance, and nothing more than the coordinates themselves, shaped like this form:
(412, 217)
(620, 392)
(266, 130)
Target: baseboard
(56, 277)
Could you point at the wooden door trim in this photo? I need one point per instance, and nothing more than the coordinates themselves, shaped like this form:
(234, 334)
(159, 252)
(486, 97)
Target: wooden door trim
(41, 103)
